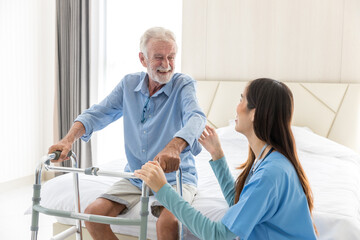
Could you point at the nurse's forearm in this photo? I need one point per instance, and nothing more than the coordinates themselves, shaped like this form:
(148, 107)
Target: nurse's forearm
(197, 223)
(225, 179)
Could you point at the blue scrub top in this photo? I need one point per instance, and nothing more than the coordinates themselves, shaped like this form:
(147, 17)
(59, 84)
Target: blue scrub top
(272, 204)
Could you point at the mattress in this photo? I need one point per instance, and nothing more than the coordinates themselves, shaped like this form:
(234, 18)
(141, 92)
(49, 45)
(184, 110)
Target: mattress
(333, 171)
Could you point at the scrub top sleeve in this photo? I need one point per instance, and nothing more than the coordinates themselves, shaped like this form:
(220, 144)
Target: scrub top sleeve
(197, 223)
(225, 179)
(257, 203)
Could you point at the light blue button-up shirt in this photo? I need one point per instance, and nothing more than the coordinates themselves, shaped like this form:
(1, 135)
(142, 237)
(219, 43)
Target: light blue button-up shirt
(150, 123)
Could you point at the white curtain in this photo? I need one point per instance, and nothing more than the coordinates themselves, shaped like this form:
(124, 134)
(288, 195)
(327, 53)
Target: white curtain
(27, 44)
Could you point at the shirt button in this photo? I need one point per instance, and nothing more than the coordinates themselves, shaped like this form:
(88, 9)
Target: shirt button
(143, 150)
(144, 131)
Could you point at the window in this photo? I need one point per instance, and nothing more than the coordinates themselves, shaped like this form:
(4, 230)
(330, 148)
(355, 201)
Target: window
(124, 23)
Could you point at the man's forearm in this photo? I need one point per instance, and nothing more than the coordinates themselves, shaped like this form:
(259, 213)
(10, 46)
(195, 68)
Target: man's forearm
(64, 145)
(177, 144)
(75, 132)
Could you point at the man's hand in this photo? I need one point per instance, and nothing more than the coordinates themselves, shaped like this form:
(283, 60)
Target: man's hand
(64, 145)
(169, 157)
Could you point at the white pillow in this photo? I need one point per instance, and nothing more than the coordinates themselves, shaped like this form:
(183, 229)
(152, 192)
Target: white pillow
(308, 141)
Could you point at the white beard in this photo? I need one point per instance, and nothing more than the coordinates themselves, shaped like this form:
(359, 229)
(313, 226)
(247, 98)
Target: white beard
(158, 77)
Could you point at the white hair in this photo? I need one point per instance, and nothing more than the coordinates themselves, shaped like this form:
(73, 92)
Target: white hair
(158, 33)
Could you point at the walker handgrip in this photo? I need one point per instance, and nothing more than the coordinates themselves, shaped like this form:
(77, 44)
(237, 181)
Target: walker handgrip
(58, 153)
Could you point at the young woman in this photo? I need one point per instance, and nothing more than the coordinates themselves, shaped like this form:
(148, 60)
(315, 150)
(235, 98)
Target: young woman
(271, 198)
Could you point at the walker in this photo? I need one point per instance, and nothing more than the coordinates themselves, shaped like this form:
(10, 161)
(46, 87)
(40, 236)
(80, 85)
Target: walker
(37, 208)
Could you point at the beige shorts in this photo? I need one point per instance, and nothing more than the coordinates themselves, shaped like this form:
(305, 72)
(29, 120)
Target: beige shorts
(124, 192)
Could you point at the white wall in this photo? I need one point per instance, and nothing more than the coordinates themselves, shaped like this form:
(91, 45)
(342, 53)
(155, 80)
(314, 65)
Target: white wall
(296, 41)
(288, 40)
(27, 47)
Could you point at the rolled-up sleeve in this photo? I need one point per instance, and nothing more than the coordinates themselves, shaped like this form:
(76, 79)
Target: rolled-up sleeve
(194, 119)
(100, 115)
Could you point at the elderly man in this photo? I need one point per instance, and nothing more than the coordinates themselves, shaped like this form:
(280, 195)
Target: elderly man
(162, 122)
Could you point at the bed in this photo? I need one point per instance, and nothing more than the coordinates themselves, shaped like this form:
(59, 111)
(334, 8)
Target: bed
(327, 133)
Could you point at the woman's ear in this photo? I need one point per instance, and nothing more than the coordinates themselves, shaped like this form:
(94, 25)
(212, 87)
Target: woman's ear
(252, 114)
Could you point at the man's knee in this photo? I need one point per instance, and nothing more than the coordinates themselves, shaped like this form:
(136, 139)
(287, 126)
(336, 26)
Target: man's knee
(167, 220)
(104, 207)
(95, 208)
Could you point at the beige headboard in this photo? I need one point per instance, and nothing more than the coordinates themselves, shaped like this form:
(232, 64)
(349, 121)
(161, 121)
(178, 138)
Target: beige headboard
(331, 110)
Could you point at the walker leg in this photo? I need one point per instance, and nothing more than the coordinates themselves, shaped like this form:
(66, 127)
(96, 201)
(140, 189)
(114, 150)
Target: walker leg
(180, 192)
(35, 215)
(77, 200)
(77, 206)
(144, 212)
(33, 235)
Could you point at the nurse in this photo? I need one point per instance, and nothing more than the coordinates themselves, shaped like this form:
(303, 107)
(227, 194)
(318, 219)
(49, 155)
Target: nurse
(271, 198)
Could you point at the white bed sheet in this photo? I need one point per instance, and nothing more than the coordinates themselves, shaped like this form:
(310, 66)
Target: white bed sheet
(333, 171)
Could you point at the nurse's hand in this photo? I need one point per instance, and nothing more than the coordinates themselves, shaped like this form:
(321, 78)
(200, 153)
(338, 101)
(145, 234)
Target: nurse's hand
(210, 141)
(152, 174)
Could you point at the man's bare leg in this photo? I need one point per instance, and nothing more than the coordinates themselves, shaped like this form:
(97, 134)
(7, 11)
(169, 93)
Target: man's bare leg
(105, 207)
(167, 225)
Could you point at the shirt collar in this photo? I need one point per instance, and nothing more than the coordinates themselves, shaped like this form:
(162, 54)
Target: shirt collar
(167, 88)
(144, 83)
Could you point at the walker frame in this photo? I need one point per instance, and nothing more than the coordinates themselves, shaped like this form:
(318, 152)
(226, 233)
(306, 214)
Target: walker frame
(94, 171)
